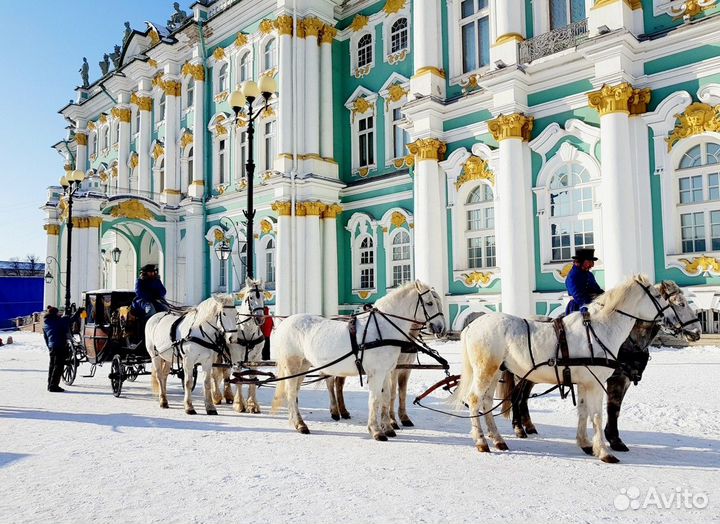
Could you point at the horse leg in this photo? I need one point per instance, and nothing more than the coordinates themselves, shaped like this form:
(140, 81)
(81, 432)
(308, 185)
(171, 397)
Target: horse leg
(394, 376)
(594, 397)
(188, 366)
(375, 383)
(252, 403)
(159, 381)
(239, 401)
(207, 386)
(227, 391)
(340, 394)
(330, 383)
(482, 378)
(487, 404)
(617, 387)
(517, 405)
(216, 377)
(294, 365)
(402, 383)
(525, 412)
(582, 408)
(385, 420)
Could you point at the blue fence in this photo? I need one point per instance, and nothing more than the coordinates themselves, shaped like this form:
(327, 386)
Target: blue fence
(19, 296)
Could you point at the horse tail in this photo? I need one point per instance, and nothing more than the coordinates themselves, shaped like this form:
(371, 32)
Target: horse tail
(504, 391)
(466, 379)
(278, 400)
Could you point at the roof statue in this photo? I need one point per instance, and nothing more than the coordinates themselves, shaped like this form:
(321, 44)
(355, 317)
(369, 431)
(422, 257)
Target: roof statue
(85, 73)
(115, 57)
(178, 18)
(128, 32)
(105, 64)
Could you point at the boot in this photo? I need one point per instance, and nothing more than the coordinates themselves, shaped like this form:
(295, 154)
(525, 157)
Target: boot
(56, 389)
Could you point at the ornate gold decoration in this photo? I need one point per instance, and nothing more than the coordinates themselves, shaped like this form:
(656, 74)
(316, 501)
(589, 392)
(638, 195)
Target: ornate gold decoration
(131, 209)
(359, 22)
(362, 71)
(82, 139)
(123, 114)
(266, 226)
(103, 119)
(394, 6)
(186, 139)
(172, 87)
(701, 264)
(281, 208)
(144, 103)
(408, 161)
(172, 192)
(68, 167)
(313, 26)
(154, 37)
(157, 80)
(314, 208)
(114, 171)
(633, 4)
(516, 125)
(103, 177)
(268, 295)
(328, 34)
(134, 160)
(637, 105)
(611, 99)
(469, 84)
(267, 27)
(564, 271)
(364, 294)
(477, 279)
(398, 57)
(364, 171)
(197, 71)
(221, 97)
(427, 149)
(691, 8)
(696, 119)
(360, 106)
(52, 229)
(475, 169)
(429, 70)
(91, 126)
(219, 235)
(284, 25)
(219, 54)
(86, 222)
(300, 29)
(397, 219)
(241, 39)
(269, 112)
(152, 63)
(396, 92)
(332, 211)
(63, 209)
(300, 209)
(158, 151)
(509, 37)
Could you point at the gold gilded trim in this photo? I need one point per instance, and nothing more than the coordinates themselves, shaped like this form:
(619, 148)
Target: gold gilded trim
(509, 37)
(516, 125)
(332, 211)
(697, 118)
(52, 229)
(282, 208)
(611, 99)
(359, 22)
(427, 149)
(475, 169)
(82, 139)
(123, 114)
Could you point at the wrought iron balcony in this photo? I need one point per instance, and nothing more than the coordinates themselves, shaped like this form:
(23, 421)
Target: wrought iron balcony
(553, 41)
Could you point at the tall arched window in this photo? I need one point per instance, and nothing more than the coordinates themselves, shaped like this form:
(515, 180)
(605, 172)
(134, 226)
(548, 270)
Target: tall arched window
(223, 78)
(244, 69)
(571, 206)
(365, 51)
(190, 93)
(222, 160)
(270, 264)
(564, 12)
(401, 262)
(116, 132)
(94, 138)
(270, 55)
(367, 263)
(399, 35)
(699, 198)
(137, 120)
(480, 228)
(105, 137)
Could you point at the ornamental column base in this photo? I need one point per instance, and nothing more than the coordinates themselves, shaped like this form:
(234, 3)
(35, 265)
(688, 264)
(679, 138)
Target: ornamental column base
(427, 81)
(170, 197)
(612, 15)
(505, 50)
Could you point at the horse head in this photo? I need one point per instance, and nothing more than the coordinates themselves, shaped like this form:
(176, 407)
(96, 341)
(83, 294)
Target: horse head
(683, 320)
(429, 309)
(253, 304)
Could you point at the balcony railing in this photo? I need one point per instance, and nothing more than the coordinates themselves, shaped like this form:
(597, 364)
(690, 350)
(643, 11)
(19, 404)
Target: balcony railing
(553, 41)
(220, 6)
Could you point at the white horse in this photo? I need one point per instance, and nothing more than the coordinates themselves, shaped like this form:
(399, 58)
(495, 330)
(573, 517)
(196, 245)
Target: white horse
(204, 330)
(307, 341)
(495, 338)
(245, 346)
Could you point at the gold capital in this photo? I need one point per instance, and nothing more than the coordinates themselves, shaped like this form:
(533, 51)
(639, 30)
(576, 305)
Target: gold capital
(300, 209)
(219, 54)
(394, 6)
(314, 208)
(332, 211)
(68, 167)
(611, 99)
(328, 34)
(186, 139)
(197, 71)
(121, 113)
(144, 103)
(172, 87)
(82, 139)
(427, 149)
(52, 229)
(300, 29)
(516, 125)
(266, 27)
(313, 26)
(281, 208)
(637, 105)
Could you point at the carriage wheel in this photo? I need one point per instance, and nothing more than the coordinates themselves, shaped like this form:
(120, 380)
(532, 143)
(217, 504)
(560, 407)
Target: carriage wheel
(71, 365)
(117, 371)
(133, 372)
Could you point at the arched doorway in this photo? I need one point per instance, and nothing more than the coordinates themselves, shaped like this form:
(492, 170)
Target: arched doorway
(134, 245)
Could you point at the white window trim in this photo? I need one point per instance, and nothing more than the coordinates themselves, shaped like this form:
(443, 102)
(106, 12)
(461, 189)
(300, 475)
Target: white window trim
(185, 83)
(157, 163)
(217, 88)
(261, 145)
(135, 121)
(541, 15)
(388, 236)
(261, 254)
(361, 225)
(156, 108)
(389, 106)
(264, 66)
(244, 51)
(185, 175)
(355, 70)
(455, 41)
(388, 56)
(225, 120)
(372, 98)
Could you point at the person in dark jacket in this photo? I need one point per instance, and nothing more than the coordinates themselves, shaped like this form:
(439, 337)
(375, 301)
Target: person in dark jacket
(56, 330)
(149, 292)
(580, 282)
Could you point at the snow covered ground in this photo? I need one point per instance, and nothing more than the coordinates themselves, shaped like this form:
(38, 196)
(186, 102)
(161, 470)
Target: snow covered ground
(86, 456)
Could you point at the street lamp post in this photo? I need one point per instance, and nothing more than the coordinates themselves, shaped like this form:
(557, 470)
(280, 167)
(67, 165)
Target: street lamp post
(223, 249)
(246, 96)
(70, 184)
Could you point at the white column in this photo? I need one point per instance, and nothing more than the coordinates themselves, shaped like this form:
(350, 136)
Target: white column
(314, 258)
(311, 125)
(124, 115)
(326, 92)
(300, 110)
(283, 269)
(144, 104)
(80, 255)
(300, 267)
(81, 154)
(91, 234)
(170, 253)
(428, 77)
(430, 215)
(173, 89)
(509, 30)
(615, 15)
(330, 260)
(620, 250)
(197, 188)
(285, 95)
(513, 213)
(50, 292)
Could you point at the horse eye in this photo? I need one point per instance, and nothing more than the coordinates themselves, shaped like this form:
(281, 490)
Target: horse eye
(430, 303)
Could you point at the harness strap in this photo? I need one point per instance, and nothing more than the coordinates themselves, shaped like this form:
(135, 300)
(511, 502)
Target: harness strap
(532, 357)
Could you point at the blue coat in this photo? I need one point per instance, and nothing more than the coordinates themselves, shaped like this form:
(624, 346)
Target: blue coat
(56, 330)
(582, 287)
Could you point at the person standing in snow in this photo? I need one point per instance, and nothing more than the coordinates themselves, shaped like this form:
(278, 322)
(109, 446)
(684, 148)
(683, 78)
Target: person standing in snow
(56, 330)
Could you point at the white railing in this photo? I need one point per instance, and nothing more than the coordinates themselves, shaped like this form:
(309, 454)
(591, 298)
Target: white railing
(552, 41)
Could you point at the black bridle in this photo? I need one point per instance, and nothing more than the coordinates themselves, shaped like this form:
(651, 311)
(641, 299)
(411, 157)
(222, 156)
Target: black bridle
(677, 327)
(421, 303)
(259, 319)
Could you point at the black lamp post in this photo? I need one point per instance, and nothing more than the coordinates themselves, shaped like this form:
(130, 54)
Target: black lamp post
(48, 275)
(70, 184)
(246, 96)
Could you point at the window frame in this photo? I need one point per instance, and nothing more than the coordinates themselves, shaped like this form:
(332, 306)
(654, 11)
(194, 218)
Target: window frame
(361, 226)
(356, 69)
(269, 161)
(266, 66)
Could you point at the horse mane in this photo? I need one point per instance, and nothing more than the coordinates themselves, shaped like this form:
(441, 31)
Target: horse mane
(613, 298)
(214, 305)
(394, 295)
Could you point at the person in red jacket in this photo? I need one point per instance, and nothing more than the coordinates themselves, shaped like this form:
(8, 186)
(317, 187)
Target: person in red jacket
(267, 328)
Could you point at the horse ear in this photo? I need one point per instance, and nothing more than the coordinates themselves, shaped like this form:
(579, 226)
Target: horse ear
(248, 281)
(418, 286)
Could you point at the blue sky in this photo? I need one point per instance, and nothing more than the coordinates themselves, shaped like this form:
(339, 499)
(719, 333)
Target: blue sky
(43, 44)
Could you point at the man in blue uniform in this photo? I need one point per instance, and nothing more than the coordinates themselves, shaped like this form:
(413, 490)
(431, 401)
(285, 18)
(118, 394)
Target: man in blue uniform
(580, 282)
(149, 292)
(56, 330)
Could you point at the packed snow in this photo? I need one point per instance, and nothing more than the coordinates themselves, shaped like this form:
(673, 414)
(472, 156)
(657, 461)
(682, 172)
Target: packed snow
(86, 456)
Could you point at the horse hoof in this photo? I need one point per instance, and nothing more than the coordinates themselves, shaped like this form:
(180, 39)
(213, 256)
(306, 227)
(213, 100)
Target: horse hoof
(391, 433)
(610, 459)
(520, 433)
(255, 409)
(228, 401)
(335, 416)
(395, 425)
(380, 437)
(587, 449)
(502, 446)
(531, 430)
(190, 412)
(164, 405)
(345, 415)
(618, 445)
(483, 448)
(212, 412)
(303, 430)
(407, 423)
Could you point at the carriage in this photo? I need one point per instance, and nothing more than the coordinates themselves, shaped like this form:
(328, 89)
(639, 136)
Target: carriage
(109, 332)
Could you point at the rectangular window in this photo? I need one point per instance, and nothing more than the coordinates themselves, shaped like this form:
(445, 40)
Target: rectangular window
(691, 189)
(400, 136)
(564, 12)
(243, 152)
(713, 186)
(221, 161)
(715, 230)
(366, 141)
(269, 144)
(475, 34)
(221, 277)
(475, 250)
(190, 93)
(367, 278)
(692, 229)
(560, 242)
(401, 274)
(269, 267)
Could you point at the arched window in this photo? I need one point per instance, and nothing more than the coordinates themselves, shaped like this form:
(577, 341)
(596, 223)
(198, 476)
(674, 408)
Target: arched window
(401, 258)
(105, 137)
(161, 108)
(190, 93)
(399, 35)
(365, 51)
(571, 206)
(223, 78)
(116, 132)
(137, 120)
(367, 263)
(244, 69)
(94, 138)
(699, 198)
(270, 264)
(222, 160)
(564, 12)
(269, 55)
(480, 228)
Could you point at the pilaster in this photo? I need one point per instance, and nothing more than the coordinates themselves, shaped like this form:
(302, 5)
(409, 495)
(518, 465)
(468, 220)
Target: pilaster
(428, 77)
(123, 114)
(283, 279)
(326, 92)
(330, 262)
(509, 29)
(144, 104)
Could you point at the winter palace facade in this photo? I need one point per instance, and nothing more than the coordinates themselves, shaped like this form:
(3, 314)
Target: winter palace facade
(472, 144)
